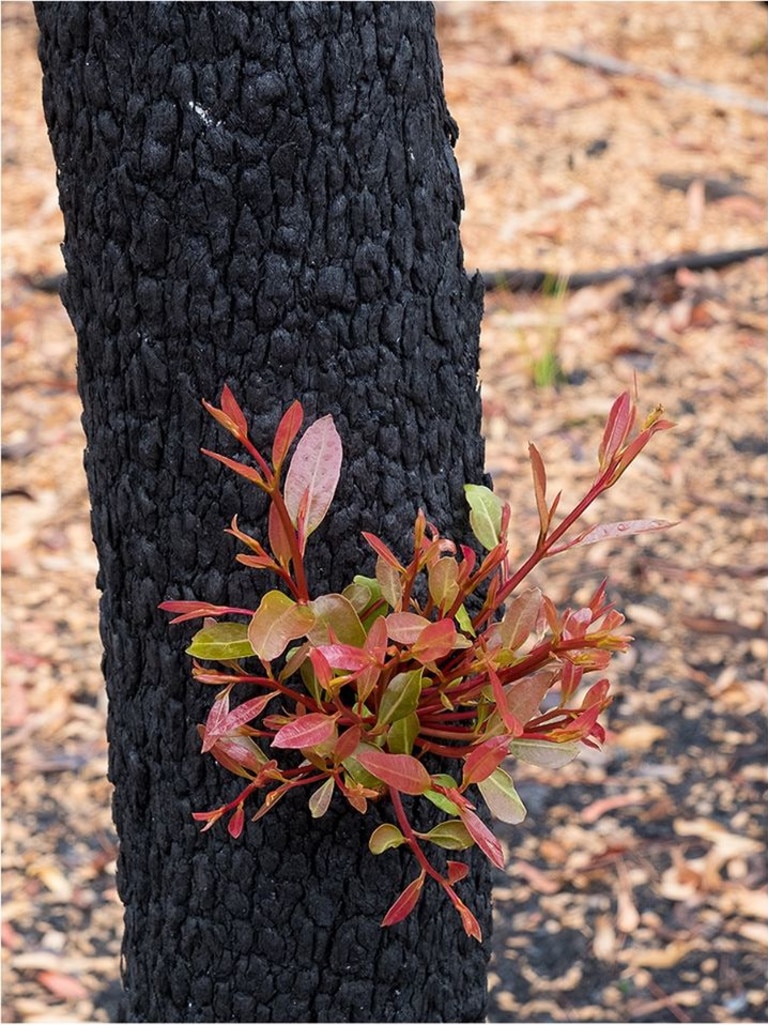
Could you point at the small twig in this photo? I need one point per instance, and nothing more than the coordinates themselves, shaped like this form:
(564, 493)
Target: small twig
(612, 66)
(536, 280)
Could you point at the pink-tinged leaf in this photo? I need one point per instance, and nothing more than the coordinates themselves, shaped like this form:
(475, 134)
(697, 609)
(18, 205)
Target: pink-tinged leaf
(401, 772)
(457, 871)
(322, 668)
(608, 531)
(313, 473)
(381, 550)
(483, 837)
(279, 541)
(306, 731)
(238, 755)
(236, 823)
(277, 621)
(406, 902)
(196, 609)
(405, 627)
(376, 641)
(344, 656)
(287, 429)
(222, 722)
(435, 641)
(520, 618)
(483, 759)
(320, 799)
(617, 428)
(524, 697)
(245, 471)
(539, 487)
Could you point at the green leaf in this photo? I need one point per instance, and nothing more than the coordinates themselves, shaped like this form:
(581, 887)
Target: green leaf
(335, 613)
(544, 753)
(484, 514)
(384, 837)
(358, 774)
(362, 592)
(320, 800)
(443, 582)
(451, 836)
(277, 621)
(465, 622)
(388, 579)
(502, 799)
(401, 697)
(313, 473)
(402, 734)
(221, 641)
(442, 802)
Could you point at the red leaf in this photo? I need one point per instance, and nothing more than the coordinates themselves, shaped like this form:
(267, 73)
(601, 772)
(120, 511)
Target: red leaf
(483, 759)
(287, 429)
(406, 902)
(457, 871)
(435, 641)
(306, 731)
(468, 920)
(314, 473)
(539, 487)
(401, 772)
(483, 837)
(347, 743)
(617, 428)
(245, 471)
(196, 609)
(279, 541)
(230, 407)
(381, 549)
(511, 722)
(236, 823)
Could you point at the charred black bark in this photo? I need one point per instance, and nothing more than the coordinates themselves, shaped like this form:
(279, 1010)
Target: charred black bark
(264, 195)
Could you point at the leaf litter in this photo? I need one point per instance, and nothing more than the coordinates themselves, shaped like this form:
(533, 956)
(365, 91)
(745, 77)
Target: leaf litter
(637, 884)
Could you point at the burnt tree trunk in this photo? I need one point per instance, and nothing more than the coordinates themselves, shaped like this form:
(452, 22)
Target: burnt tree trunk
(263, 195)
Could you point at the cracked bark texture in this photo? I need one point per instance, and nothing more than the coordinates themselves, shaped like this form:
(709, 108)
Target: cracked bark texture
(264, 195)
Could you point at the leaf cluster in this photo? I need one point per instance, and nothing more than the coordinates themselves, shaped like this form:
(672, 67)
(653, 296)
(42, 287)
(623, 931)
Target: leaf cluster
(364, 684)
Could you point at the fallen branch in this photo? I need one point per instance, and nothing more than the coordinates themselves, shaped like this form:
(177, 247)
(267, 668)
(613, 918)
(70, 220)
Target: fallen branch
(537, 280)
(612, 66)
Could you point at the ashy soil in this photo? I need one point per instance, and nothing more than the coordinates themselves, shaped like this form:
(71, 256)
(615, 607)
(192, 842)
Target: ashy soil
(636, 888)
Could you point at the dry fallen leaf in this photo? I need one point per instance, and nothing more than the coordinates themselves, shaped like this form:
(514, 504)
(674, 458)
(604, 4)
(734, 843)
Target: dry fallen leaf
(65, 987)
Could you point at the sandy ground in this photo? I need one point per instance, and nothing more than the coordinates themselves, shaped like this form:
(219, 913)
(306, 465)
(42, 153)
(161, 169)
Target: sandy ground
(637, 885)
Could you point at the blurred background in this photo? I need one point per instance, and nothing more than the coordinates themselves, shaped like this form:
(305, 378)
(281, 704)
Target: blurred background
(593, 136)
